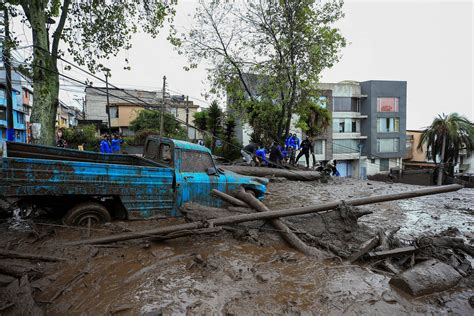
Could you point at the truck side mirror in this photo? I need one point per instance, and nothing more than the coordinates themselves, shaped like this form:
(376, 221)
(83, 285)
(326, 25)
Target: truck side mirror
(211, 171)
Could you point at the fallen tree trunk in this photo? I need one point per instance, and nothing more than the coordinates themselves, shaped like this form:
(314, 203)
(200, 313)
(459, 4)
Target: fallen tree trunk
(269, 215)
(19, 255)
(285, 231)
(229, 199)
(274, 172)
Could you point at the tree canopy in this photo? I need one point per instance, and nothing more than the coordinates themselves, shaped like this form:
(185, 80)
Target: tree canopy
(445, 137)
(266, 55)
(90, 30)
(456, 130)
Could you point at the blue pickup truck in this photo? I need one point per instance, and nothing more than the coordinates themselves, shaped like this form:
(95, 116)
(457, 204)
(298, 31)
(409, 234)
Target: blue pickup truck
(90, 187)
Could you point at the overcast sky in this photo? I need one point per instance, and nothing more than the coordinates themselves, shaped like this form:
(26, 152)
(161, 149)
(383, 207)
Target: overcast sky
(428, 44)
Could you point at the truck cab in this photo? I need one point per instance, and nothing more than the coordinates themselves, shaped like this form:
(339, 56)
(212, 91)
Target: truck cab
(196, 173)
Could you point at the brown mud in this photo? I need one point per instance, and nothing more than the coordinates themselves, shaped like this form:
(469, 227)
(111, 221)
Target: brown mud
(251, 273)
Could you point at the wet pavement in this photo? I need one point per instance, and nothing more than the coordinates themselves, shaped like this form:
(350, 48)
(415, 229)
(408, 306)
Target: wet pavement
(214, 275)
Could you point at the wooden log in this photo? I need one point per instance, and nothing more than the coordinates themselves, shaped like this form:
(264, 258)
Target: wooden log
(392, 252)
(269, 215)
(20, 255)
(365, 248)
(285, 231)
(274, 172)
(183, 233)
(229, 199)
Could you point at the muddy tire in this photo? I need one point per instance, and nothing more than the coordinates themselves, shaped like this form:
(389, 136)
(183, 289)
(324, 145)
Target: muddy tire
(83, 213)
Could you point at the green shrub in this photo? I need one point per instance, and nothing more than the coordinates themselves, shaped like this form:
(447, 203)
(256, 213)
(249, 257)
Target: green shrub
(84, 135)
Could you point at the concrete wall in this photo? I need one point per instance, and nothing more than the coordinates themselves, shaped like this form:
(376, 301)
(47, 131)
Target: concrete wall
(375, 89)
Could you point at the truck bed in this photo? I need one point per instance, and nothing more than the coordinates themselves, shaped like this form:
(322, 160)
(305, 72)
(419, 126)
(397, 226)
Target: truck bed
(22, 150)
(144, 187)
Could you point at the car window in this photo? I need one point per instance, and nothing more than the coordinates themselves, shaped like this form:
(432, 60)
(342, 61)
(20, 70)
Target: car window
(195, 161)
(165, 154)
(151, 151)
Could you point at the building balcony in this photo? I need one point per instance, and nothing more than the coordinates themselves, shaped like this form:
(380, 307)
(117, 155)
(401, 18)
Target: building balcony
(345, 156)
(348, 136)
(348, 115)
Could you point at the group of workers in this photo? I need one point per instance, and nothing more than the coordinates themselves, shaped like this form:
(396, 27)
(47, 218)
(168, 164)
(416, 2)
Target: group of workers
(110, 145)
(279, 154)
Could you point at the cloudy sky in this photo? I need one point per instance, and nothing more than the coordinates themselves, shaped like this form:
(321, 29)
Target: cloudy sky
(429, 44)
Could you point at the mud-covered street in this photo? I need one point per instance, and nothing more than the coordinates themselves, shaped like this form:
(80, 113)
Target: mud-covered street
(246, 269)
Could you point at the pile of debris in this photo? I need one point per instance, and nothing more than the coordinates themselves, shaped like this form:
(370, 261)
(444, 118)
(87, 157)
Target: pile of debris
(425, 265)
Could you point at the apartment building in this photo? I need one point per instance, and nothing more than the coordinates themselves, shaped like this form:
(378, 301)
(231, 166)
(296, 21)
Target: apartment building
(385, 127)
(367, 135)
(125, 104)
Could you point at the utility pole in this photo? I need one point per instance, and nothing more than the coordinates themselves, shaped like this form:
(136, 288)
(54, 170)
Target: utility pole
(162, 106)
(8, 76)
(107, 73)
(187, 118)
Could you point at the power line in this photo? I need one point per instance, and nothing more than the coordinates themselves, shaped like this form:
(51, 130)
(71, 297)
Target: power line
(146, 105)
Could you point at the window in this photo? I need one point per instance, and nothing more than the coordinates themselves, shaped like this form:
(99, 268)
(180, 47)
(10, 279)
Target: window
(345, 104)
(165, 154)
(388, 145)
(151, 151)
(345, 146)
(387, 104)
(114, 112)
(384, 164)
(2, 94)
(195, 161)
(318, 147)
(388, 125)
(3, 113)
(20, 118)
(346, 125)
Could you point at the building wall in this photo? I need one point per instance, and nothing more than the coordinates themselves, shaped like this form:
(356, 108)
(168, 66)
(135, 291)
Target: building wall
(417, 154)
(96, 100)
(376, 89)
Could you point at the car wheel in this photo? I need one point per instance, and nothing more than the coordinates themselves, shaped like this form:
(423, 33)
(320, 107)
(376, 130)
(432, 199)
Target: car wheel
(87, 213)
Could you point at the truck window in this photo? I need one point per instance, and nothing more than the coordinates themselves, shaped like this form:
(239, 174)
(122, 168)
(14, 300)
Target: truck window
(195, 161)
(165, 154)
(151, 151)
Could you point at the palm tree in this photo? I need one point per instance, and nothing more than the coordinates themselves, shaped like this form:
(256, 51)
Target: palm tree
(445, 137)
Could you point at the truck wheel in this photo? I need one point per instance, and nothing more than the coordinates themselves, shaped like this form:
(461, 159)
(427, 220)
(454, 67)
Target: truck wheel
(85, 213)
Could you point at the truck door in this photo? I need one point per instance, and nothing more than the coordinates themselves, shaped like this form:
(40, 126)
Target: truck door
(197, 176)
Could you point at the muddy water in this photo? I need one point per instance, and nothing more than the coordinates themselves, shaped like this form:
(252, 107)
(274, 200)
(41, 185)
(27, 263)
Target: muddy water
(209, 275)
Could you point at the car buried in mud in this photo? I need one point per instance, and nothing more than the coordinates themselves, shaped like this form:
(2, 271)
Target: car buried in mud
(90, 187)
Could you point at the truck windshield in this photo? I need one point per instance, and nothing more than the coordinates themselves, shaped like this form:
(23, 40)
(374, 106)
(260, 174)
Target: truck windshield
(195, 161)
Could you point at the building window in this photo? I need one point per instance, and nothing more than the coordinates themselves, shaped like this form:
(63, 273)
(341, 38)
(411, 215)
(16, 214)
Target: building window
(345, 104)
(388, 125)
(346, 125)
(345, 146)
(388, 145)
(387, 104)
(384, 164)
(20, 118)
(3, 113)
(318, 147)
(114, 112)
(2, 94)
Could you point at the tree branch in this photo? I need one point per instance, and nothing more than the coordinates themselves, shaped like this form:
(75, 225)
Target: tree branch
(59, 29)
